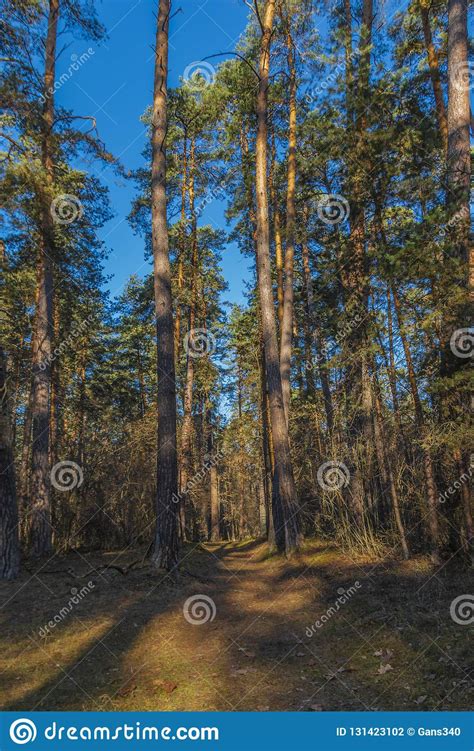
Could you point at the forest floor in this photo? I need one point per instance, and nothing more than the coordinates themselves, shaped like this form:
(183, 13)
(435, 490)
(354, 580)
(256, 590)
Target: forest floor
(127, 644)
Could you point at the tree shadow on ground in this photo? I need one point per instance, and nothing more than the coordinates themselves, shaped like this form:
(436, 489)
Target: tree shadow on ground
(129, 645)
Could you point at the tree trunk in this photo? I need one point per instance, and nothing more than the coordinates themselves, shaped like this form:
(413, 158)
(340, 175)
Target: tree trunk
(459, 165)
(213, 479)
(166, 546)
(392, 375)
(9, 537)
(288, 293)
(9, 542)
(277, 234)
(215, 523)
(356, 278)
(262, 508)
(25, 478)
(182, 245)
(459, 265)
(267, 448)
(55, 392)
(284, 490)
(349, 67)
(386, 466)
(464, 467)
(40, 505)
(320, 353)
(458, 176)
(187, 429)
(267, 444)
(433, 64)
(431, 490)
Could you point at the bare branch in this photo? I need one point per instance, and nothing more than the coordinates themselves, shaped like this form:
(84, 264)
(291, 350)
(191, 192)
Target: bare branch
(241, 57)
(254, 8)
(77, 117)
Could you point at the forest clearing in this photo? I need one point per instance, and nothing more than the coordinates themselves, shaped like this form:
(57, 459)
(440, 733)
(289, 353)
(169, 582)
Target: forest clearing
(236, 348)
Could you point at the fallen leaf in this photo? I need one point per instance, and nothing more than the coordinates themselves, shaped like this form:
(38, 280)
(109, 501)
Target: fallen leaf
(384, 654)
(127, 688)
(420, 699)
(384, 669)
(168, 686)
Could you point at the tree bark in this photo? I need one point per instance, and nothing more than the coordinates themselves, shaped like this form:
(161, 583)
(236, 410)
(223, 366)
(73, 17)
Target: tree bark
(166, 545)
(40, 530)
(24, 476)
(9, 542)
(9, 535)
(288, 293)
(431, 490)
(187, 429)
(285, 508)
(182, 244)
(213, 478)
(392, 375)
(459, 265)
(459, 165)
(386, 466)
(215, 521)
(458, 157)
(277, 234)
(321, 356)
(267, 444)
(433, 64)
(356, 278)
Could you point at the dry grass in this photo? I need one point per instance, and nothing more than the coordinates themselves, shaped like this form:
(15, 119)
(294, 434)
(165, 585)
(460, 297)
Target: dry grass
(127, 645)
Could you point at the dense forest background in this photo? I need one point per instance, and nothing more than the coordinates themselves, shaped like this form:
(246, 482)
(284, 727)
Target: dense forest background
(335, 402)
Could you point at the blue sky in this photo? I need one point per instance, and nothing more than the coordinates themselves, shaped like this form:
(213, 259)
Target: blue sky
(115, 85)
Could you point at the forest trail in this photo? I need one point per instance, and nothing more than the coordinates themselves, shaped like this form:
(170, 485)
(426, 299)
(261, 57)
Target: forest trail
(128, 645)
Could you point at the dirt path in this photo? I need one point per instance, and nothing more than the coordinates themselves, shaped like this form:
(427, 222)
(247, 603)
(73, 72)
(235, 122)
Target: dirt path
(382, 635)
